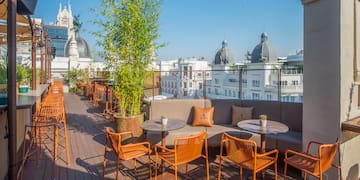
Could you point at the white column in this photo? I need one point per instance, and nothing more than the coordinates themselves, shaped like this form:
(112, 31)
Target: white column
(330, 96)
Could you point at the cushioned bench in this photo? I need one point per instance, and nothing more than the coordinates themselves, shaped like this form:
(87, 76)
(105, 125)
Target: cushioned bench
(182, 109)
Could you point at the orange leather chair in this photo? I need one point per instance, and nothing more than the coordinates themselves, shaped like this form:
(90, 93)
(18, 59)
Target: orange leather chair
(243, 152)
(314, 165)
(125, 152)
(186, 149)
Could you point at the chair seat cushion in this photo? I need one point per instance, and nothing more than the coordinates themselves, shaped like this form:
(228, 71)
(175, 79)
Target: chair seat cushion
(304, 163)
(130, 152)
(261, 162)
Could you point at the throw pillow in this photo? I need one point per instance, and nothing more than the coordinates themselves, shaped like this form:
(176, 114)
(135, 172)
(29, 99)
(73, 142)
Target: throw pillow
(240, 113)
(203, 116)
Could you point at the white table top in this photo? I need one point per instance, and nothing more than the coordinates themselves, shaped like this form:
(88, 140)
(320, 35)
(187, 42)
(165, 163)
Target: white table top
(272, 127)
(156, 125)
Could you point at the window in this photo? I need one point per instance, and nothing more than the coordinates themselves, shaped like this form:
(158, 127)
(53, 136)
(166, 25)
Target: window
(185, 70)
(268, 97)
(172, 84)
(226, 92)
(292, 98)
(216, 81)
(234, 94)
(256, 83)
(295, 83)
(190, 84)
(185, 85)
(255, 96)
(185, 93)
(217, 92)
(209, 90)
(283, 83)
(200, 85)
(285, 98)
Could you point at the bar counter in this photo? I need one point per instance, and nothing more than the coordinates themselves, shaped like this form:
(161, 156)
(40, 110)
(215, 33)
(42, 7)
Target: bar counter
(27, 100)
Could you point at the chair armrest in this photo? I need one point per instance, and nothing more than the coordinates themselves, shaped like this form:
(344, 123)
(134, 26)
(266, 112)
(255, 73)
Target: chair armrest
(162, 148)
(274, 151)
(126, 133)
(310, 143)
(288, 152)
(138, 144)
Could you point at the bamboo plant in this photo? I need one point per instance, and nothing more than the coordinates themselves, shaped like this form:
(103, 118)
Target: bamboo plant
(128, 34)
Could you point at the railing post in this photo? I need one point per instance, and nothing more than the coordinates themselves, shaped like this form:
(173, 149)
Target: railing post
(279, 85)
(240, 83)
(204, 83)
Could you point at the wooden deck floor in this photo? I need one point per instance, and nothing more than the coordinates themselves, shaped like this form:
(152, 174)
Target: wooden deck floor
(86, 131)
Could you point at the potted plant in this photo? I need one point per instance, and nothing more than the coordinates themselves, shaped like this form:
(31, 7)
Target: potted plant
(23, 75)
(128, 34)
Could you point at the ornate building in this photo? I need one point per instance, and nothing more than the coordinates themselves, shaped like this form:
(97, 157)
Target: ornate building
(73, 52)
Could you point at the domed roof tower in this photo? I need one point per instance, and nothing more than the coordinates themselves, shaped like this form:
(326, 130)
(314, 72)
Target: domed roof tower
(224, 55)
(263, 52)
(82, 46)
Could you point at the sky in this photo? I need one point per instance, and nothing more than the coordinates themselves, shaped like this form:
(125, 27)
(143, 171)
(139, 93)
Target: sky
(196, 28)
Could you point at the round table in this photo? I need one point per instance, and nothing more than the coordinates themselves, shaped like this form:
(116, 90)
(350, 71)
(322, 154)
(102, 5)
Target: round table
(272, 127)
(156, 125)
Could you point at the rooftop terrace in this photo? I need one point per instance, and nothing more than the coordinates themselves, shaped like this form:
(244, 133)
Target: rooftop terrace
(86, 131)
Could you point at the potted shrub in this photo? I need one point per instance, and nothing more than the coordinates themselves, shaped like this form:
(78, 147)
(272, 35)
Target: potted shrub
(128, 34)
(23, 75)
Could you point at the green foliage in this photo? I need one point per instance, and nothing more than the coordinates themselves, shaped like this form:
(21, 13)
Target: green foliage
(75, 75)
(129, 31)
(23, 73)
(3, 73)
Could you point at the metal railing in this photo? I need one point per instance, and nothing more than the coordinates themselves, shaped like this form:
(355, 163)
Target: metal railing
(249, 84)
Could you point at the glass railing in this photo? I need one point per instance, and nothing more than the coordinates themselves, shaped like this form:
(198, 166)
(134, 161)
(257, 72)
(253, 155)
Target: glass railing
(246, 84)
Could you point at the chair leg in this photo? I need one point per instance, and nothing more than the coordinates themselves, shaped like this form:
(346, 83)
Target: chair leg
(150, 166)
(241, 172)
(254, 174)
(104, 165)
(117, 168)
(285, 168)
(135, 166)
(56, 136)
(207, 168)
(176, 172)
(275, 170)
(67, 144)
(156, 164)
(186, 170)
(219, 171)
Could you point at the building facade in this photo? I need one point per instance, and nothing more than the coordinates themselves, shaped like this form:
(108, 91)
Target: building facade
(263, 76)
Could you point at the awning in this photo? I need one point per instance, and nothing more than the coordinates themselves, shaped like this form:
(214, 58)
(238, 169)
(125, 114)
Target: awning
(23, 29)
